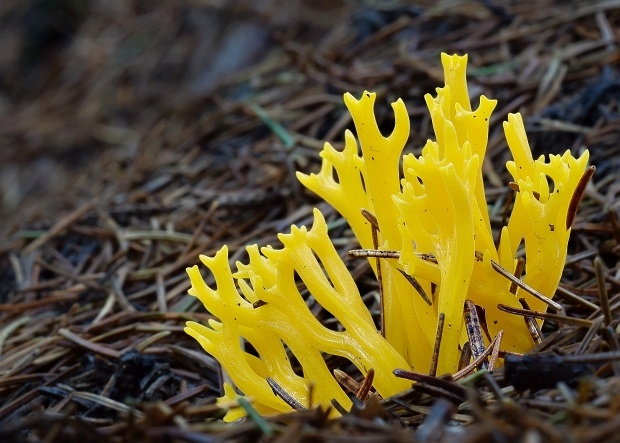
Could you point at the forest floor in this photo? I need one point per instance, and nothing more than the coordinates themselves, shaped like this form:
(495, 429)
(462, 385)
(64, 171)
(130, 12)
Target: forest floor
(135, 137)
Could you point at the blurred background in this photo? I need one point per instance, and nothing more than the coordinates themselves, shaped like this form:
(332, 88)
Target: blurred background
(136, 135)
(83, 81)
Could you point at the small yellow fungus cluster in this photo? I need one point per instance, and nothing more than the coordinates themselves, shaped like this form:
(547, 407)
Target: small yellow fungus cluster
(434, 215)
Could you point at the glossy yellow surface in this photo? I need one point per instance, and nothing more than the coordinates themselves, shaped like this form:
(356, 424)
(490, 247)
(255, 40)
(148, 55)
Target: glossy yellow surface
(435, 206)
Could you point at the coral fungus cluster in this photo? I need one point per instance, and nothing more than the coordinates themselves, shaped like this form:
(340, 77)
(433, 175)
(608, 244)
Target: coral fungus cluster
(426, 231)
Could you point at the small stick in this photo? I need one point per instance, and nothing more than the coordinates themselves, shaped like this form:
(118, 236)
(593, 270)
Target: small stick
(63, 223)
(440, 322)
(288, 398)
(518, 272)
(599, 357)
(417, 286)
(338, 407)
(160, 291)
(346, 381)
(495, 353)
(521, 284)
(578, 195)
(602, 291)
(615, 225)
(465, 356)
(427, 257)
(587, 339)
(368, 253)
(375, 243)
(581, 322)
(497, 391)
(374, 223)
(437, 383)
(474, 331)
(393, 254)
(364, 390)
(91, 346)
(474, 364)
(532, 326)
(436, 420)
(565, 293)
(310, 394)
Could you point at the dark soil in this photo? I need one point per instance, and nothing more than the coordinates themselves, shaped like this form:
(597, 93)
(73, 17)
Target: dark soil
(136, 135)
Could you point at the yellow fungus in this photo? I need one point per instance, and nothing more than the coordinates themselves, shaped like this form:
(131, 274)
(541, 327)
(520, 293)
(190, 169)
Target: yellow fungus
(435, 208)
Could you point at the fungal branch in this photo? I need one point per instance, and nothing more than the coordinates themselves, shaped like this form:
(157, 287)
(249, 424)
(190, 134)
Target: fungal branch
(283, 319)
(426, 232)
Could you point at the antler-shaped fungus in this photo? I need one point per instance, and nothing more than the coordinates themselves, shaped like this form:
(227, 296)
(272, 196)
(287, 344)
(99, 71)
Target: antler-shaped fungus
(435, 216)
